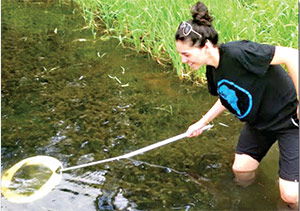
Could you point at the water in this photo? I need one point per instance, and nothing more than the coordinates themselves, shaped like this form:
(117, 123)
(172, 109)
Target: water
(29, 178)
(80, 99)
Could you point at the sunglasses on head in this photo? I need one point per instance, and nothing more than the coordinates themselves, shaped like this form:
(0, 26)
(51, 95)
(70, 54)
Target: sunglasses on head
(187, 29)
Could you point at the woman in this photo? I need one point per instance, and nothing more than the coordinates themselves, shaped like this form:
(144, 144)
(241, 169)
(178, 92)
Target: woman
(251, 84)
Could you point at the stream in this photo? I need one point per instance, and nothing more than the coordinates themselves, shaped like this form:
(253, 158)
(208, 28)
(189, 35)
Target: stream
(81, 99)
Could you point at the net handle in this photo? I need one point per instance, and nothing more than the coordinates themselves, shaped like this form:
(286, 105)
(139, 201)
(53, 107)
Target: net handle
(137, 152)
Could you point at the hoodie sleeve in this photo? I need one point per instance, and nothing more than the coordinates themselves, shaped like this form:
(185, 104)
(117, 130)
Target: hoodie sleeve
(255, 57)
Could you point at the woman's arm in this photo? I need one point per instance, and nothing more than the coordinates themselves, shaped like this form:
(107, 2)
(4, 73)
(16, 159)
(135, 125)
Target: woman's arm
(196, 129)
(288, 57)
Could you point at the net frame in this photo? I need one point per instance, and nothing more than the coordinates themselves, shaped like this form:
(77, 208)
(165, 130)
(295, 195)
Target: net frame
(6, 181)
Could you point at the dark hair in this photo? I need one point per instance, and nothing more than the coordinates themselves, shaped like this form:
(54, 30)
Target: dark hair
(201, 23)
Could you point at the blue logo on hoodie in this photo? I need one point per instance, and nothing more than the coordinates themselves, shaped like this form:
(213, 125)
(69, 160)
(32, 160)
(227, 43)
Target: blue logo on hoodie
(235, 98)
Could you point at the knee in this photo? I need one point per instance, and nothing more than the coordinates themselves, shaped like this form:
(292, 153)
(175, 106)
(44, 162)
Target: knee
(244, 163)
(290, 197)
(244, 168)
(289, 191)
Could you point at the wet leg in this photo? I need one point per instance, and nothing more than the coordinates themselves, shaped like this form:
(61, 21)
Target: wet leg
(289, 191)
(244, 167)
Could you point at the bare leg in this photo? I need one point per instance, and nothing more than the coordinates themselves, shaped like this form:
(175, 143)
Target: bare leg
(289, 193)
(244, 167)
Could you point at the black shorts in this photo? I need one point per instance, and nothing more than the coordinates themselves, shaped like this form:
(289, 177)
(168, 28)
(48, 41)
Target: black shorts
(256, 144)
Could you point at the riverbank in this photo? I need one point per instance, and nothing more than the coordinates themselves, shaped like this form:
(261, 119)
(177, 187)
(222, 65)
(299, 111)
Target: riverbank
(149, 25)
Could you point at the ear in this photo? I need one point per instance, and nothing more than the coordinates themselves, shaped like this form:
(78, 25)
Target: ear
(208, 44)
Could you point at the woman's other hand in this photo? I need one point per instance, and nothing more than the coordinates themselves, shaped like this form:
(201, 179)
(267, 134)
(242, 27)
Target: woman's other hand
(298, 110)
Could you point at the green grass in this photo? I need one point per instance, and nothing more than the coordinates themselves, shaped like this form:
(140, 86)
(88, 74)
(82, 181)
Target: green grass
(150, 25)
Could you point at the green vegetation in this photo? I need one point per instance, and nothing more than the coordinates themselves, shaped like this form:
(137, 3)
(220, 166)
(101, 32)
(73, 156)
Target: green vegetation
(150, 25)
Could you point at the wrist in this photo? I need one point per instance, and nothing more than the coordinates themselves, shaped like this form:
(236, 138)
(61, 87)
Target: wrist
(205, 120)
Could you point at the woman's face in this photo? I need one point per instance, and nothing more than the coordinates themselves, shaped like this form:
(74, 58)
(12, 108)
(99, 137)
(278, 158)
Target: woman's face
(195, 57)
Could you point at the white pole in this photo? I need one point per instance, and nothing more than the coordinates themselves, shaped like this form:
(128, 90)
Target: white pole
(137, 152)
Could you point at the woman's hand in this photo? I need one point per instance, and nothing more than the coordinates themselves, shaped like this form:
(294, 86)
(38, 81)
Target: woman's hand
(195, 129)
(198, 128)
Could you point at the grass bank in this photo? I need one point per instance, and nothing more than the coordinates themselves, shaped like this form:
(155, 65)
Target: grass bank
(149, 25)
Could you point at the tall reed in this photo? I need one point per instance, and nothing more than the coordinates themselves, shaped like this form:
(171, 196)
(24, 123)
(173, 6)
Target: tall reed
(149, 25)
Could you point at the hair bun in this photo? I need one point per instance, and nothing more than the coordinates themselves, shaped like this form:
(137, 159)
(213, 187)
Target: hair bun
(201, 15)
